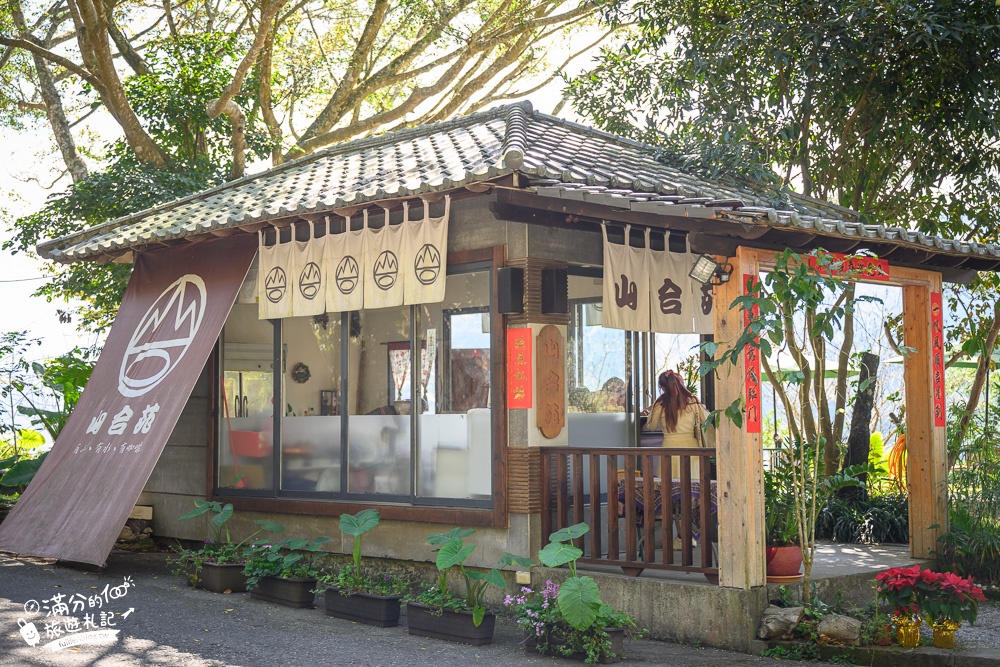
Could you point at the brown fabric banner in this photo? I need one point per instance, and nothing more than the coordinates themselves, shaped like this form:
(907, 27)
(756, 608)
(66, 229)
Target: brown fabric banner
(174, 307)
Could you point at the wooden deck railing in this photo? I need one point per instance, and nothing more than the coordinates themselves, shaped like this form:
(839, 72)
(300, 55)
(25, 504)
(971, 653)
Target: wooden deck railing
(582, 484)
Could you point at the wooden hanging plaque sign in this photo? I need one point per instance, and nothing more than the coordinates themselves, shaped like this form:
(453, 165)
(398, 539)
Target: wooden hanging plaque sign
(550, 374)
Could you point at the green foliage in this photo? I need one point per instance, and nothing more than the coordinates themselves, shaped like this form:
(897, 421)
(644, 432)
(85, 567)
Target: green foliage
(781, 526)
(348, 580)
(972, 544)
(799, 306)
(451, 555)
(124, 187)
(870, 104)
(792, 652)
(357, 525)
(185, 73)
(865, 519)
(220, 550)
(290, 558)
(46, 393)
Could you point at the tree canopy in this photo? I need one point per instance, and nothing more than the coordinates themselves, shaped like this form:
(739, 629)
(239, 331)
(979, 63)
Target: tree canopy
(886, 107)
(883, 106)
(199, 89)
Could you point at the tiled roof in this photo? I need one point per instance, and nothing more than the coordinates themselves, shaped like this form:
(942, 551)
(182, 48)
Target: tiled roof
(561, 159)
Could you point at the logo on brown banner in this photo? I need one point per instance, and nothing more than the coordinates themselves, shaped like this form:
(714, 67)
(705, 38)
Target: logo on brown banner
(275, 284)
(427, 264)
(347, 275)
(310, 280)
(386, 269)
(163, 335)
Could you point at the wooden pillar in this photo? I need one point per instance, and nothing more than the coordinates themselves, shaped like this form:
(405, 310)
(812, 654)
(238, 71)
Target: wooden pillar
(926, 445)
(739, 454)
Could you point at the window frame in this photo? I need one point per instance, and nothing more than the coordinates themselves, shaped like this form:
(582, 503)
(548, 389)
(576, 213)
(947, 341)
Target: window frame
(479, 512)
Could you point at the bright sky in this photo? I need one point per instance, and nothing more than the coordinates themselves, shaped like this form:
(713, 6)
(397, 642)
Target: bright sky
(21, 160)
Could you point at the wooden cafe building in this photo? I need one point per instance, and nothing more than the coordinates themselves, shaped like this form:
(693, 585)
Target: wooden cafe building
(459, 324)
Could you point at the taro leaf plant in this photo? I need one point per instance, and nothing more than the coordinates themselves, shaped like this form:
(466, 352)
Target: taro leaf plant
(803, 306)
(579, 598)
(355, 579)
(451, 555)
(357, 525)
(221, 549)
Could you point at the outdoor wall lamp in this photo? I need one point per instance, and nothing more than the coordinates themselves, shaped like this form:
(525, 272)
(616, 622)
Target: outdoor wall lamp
(709, 272)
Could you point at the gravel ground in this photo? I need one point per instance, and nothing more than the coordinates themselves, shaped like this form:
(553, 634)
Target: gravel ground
(174, 625)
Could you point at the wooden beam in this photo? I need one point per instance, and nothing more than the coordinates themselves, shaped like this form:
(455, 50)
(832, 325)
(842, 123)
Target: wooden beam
(927, 451)
(739, 454)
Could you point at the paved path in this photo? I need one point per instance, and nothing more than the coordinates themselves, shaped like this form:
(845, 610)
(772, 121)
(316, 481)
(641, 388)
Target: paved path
(174, 625)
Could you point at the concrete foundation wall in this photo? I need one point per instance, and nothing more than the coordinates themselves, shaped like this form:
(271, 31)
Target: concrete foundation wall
(679, 612)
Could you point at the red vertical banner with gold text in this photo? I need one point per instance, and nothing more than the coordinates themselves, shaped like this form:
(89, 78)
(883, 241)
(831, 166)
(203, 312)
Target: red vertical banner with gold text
(751, 366)
(937, 358)
(519, 378)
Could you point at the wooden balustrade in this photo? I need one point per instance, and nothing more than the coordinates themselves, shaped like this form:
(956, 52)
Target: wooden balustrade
(608, 489)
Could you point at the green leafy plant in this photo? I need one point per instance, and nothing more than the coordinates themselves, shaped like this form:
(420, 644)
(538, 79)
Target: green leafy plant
(579, 598)
(452, 553)
(355, 578)
(220, 550)
(290, 558)
(539, 614)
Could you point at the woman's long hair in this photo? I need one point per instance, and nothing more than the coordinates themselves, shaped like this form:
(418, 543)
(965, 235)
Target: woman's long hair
(674, 398)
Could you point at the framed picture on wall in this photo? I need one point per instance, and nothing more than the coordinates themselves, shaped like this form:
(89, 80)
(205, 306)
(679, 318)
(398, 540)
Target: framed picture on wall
(329, 402)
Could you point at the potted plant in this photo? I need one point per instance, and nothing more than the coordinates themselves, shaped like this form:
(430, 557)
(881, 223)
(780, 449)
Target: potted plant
(569, 620)
(437, 612)
(284, 572)
(217, 565)
(783, 553)
(361, 595)
(943, 598)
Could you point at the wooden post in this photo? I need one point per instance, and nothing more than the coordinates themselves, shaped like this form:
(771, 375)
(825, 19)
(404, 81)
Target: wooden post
(926, 445)
(739, 456)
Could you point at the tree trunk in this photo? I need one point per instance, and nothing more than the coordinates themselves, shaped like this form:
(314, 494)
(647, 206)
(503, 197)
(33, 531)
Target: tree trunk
(238, 120)
(859, 437)
(53, 104)
(985, 358)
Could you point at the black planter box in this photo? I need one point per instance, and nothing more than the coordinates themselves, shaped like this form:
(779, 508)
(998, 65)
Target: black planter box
(378, 610)
(615, 635)
(218, 578)
(297, 593)
(452, 626)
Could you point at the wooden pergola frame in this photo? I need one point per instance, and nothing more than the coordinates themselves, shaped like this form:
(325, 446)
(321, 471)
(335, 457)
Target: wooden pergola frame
(740, 454)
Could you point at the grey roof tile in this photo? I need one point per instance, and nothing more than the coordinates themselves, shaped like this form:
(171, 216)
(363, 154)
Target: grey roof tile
(565, 159)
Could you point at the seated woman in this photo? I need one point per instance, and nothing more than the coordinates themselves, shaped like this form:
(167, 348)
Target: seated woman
(678, 414)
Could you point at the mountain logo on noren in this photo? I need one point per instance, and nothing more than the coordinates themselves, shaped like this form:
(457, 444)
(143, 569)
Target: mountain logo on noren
(310, 280)
(427, 264)
(386, 270)
(163, 335)
(275, 284)
(347, 274)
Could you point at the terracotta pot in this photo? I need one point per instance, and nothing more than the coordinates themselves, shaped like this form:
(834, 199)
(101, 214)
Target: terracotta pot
(944, 633)
(379, 610)
(907, 632)
(452, 626)
(225, 578)
(784, 563)
(296, 593)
